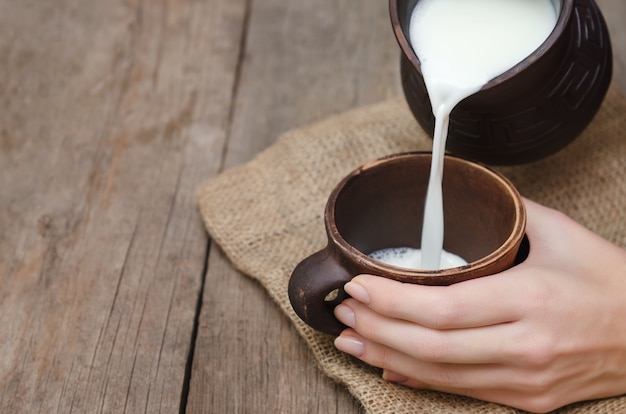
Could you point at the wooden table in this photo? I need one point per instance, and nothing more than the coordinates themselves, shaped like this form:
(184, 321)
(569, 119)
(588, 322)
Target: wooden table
(112, 297)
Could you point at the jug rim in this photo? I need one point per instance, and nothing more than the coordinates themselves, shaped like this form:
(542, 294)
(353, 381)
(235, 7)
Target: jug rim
(561, 23)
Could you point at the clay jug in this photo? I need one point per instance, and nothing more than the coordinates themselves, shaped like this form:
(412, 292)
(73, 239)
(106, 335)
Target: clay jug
(532, 110)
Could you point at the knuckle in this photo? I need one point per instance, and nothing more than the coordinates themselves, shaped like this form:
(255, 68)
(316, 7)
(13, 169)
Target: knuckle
(389, 305)
(368, 325)
(433, 348)
(533, 348)
(441, 376)
(446, 313)
(540, 351)
(386, 360)
(384, 304)
(539, 383)
(542, 403)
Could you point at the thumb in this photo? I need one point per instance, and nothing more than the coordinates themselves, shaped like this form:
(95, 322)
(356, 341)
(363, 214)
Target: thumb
(547, 230)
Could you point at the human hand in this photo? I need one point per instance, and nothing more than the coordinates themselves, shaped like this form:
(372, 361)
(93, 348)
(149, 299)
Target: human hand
(548, 332)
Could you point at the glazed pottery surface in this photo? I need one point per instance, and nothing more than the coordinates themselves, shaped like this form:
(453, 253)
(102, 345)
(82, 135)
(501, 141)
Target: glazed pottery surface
(535, 108)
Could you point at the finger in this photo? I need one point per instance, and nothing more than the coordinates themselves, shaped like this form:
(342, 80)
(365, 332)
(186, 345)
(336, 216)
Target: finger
(421, 374)
(483, 345)
(479, 302)
(542, 225)
(553, 235)
(489, 382)
(541, 402)
(485, 394)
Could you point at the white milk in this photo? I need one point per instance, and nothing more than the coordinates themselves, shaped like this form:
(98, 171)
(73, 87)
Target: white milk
(462, 45)
(411, 258)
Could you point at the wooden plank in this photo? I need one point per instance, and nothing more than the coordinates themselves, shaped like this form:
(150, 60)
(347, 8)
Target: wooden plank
(303, 61)
(112, 114)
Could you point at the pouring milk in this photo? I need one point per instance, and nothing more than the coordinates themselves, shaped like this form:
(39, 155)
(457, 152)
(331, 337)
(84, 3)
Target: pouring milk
(462, 45)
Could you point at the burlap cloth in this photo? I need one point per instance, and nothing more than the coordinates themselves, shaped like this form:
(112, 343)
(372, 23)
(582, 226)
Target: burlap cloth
(267, 215)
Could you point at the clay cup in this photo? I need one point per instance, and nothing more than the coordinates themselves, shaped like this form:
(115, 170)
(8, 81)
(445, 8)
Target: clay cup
(381, 205)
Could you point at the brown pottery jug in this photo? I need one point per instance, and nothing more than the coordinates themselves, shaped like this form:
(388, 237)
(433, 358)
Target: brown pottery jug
(535, 108)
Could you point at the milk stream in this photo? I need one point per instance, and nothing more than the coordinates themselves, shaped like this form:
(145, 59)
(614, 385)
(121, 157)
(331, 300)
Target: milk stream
(461, 46)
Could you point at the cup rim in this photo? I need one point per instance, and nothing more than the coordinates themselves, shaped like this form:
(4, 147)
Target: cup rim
(409, 53)
(515, 238)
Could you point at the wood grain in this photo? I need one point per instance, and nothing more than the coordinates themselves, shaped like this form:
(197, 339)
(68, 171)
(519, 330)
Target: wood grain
(302, 62)
(113, 113)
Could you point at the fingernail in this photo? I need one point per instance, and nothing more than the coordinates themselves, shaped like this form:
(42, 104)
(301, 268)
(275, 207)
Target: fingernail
(394, 377)
(350, 345)
(358, 292)
(345, 315)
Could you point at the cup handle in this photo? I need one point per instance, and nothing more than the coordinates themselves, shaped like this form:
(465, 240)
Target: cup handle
(316, 287)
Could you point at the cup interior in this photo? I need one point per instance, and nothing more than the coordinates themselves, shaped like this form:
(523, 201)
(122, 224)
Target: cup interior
(381, 205)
